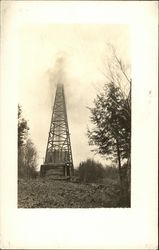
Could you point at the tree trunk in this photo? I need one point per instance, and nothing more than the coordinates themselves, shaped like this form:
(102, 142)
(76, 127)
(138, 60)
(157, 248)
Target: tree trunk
(120, 174)
(119, 160)
(129, 174)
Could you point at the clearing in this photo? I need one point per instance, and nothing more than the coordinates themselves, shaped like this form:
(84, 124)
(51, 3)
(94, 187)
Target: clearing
(48, 193)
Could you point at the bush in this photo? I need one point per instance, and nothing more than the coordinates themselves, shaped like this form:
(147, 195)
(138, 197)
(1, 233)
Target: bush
(111, 172)
(90, 171)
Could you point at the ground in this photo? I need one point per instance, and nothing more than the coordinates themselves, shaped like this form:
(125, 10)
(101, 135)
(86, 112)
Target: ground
(48, 193)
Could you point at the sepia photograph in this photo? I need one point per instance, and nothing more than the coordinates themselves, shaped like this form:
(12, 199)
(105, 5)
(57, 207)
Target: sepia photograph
(74, 116)
(78, 125)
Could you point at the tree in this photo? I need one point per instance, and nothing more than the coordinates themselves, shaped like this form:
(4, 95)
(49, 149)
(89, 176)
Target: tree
(22, 128)
(22, 137)
(111, 114)
(111, 132)
(27, 154)
(30, 155)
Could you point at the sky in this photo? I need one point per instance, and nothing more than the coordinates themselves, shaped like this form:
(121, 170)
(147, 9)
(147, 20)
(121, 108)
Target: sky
(75, 55)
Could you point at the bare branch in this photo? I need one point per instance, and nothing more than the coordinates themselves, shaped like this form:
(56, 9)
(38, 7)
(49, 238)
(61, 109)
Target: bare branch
(122, 69)
(119, 62)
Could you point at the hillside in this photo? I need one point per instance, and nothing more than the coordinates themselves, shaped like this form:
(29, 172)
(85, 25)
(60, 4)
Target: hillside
(48, 193)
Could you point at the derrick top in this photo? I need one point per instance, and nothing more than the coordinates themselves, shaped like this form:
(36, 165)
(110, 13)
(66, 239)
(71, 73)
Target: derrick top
(61, 85)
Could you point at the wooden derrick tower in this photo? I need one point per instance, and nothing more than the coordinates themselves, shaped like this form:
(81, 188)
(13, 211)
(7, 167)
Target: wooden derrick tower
(58, 156)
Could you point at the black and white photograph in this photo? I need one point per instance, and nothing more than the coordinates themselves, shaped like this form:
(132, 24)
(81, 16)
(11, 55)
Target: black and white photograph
(74, 116)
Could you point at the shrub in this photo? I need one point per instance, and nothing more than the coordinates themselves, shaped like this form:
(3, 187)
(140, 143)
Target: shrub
(90, 171)
(111, 172)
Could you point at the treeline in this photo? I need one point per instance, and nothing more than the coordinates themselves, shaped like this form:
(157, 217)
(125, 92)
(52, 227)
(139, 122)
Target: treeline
(90, 171)
(27, 153)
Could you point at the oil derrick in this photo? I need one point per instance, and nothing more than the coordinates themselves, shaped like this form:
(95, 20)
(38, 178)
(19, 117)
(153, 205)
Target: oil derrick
(58, 156)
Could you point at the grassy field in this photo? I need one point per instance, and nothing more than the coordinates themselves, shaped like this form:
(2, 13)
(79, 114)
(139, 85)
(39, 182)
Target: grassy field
(48, 193)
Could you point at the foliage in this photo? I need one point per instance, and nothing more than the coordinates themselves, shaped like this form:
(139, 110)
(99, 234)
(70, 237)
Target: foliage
(21, 163)
(90, 171)
(111, 172)
(111, 118)
(112, 123)
(30, 155)
(47, 193)
(27, 154)
(22, 128)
